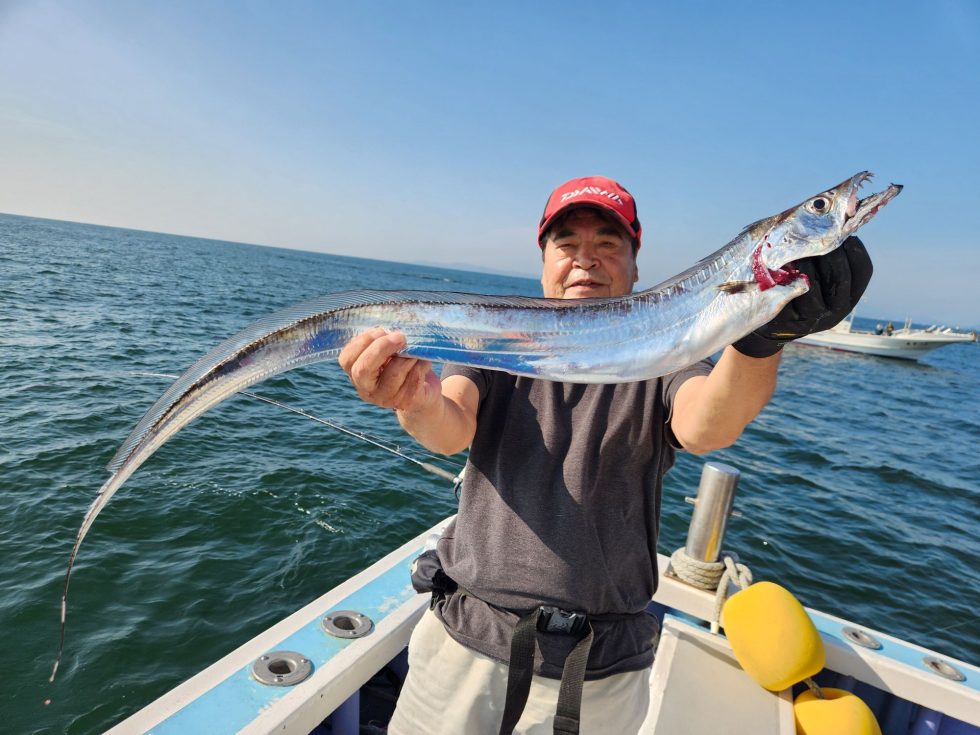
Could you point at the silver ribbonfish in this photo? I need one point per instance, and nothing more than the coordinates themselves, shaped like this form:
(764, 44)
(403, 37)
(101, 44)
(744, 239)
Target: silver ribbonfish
(611, 340)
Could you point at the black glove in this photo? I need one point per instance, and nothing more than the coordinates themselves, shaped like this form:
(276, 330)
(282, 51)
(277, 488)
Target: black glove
(837, 281)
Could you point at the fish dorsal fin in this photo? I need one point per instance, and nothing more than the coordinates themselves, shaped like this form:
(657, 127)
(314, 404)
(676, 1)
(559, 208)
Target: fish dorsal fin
(293, 315)
(710, 265)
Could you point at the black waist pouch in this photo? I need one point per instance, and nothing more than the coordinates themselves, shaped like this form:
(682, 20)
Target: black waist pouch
(427, 576)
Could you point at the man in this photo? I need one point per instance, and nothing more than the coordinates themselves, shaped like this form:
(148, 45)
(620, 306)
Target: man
(554, 546)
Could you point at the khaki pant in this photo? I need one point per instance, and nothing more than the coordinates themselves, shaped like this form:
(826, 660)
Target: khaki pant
(452, 690)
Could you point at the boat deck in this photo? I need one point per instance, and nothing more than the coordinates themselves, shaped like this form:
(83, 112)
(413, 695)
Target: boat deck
(692, 667)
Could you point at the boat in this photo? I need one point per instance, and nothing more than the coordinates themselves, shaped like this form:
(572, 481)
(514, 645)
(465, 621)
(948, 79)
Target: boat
(335, 666)
(907, 343)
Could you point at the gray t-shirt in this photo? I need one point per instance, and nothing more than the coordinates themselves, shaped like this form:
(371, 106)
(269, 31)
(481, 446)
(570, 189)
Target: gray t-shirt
(560, 505)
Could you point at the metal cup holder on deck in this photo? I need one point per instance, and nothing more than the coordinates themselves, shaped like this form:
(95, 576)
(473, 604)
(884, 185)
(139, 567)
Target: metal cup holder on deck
(347, 624)
(281, 668)
(860, 638)
(943, 668)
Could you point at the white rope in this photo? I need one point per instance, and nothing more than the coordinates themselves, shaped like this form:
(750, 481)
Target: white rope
(711, 575)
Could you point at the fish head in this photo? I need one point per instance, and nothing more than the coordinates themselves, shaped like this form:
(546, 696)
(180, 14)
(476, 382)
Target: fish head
(813, 228)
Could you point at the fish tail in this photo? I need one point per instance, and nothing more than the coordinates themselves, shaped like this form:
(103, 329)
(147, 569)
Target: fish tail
(105, 492)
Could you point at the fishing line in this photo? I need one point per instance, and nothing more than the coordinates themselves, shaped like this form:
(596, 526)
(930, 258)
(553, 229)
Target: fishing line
(427, 466)
(955, 625)
(363, 436)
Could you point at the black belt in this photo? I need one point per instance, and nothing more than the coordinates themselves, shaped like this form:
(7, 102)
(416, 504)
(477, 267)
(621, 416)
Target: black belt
(521, 668)
(428, 576)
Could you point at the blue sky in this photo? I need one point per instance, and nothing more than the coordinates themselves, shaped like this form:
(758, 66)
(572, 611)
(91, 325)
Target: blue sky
(431, 132)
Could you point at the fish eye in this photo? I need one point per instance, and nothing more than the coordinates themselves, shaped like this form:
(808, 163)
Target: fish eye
(820, 204)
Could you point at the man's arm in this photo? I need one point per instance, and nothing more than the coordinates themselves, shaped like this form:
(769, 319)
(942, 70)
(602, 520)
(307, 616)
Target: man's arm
(450, 426)
(440, 416)
(711, 411)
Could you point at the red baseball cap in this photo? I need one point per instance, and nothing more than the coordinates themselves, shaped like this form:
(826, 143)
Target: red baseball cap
(592, 191)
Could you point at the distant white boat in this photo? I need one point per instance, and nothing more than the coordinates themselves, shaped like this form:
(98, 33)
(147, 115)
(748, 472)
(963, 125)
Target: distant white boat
(905, 343)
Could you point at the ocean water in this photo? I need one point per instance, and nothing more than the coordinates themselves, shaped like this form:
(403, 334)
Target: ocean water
(860, 487)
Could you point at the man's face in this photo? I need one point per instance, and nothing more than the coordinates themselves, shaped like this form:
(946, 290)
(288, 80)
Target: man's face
(587, 256)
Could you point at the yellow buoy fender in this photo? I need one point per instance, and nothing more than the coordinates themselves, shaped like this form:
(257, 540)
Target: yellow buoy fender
(841, 713)
(771, 635)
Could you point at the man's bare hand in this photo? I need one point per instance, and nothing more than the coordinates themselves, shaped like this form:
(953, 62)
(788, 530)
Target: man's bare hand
(384, 379)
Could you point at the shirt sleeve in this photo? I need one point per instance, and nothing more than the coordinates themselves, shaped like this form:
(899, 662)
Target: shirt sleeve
(671, 384)
(480, 378)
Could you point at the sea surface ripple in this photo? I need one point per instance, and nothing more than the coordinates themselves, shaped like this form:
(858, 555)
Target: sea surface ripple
(860, 481)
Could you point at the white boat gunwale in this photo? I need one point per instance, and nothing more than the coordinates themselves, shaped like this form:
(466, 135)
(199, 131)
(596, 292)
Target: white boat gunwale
(897, 667)
(340, 667)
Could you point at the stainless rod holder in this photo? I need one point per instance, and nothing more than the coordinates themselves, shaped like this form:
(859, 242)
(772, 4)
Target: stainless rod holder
(716, 495)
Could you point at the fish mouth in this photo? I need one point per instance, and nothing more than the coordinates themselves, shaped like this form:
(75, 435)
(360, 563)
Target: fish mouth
(860, 211)
(857, 213)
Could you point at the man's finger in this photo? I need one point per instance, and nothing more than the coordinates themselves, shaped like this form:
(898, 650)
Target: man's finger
(366, 370)
(413, 383)
(391, 377)
(835, 279)
(813, 302)
(353, 349)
